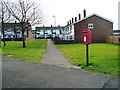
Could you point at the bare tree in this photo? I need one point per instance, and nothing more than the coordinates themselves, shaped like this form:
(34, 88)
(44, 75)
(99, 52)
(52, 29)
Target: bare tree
(25, 11)
(4, 17)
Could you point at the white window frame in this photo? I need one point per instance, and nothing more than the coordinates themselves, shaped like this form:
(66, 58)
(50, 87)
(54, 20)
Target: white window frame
(90, 26)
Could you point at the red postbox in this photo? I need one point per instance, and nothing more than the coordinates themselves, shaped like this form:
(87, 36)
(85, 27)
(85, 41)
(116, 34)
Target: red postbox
(86, 36)
(86, 39)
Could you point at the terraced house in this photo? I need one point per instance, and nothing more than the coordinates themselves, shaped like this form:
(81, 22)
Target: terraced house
(99, 26)
(13, 31)
(48, 32)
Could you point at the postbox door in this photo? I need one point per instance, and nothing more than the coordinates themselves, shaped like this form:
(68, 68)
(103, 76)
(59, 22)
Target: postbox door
(86, 36)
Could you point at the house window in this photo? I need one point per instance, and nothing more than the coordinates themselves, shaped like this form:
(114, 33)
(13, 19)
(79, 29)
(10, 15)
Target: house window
(70, 37)
(90, 26)
(54, 31)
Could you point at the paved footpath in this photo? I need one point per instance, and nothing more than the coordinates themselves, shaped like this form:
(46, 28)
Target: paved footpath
(54, 57)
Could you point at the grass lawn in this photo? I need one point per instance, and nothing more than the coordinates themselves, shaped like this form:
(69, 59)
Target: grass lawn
(103, 58)
(33, 52)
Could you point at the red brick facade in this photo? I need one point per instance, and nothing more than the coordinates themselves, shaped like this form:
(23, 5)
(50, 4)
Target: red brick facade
(101, 28)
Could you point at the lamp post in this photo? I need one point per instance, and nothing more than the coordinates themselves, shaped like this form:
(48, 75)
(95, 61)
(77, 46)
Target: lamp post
(54, 19)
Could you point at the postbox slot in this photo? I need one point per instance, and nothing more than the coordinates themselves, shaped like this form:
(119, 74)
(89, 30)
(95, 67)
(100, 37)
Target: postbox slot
(84, 31)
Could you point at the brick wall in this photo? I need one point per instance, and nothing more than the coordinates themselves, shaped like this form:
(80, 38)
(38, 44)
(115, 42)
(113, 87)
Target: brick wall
(113, 39)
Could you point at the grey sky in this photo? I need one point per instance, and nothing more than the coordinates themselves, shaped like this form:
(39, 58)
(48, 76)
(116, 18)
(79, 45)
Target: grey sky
(64, 10)
(119, 16)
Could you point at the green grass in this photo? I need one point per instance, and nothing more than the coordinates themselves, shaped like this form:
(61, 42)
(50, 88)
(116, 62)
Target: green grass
(103, 58)
(33, 52)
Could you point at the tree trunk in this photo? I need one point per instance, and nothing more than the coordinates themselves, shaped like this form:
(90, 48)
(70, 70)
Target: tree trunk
(14, 33)
(35, 34)
(3, 33)
(23, 36)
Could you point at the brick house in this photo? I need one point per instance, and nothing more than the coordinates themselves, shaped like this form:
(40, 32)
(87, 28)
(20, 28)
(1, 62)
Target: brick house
(99, 26)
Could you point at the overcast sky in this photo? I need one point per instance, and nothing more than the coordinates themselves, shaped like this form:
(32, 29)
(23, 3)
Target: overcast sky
(119, 16)
(64, 10)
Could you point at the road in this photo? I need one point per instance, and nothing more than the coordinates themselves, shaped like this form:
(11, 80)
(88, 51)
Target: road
(21, 74)
(0, 73)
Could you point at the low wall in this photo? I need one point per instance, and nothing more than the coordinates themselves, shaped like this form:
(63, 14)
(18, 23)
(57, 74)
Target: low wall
(113, 39)
(57, 41)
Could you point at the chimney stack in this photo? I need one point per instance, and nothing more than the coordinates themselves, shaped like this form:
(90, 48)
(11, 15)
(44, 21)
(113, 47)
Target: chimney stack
(75, 19)
(84, 13)
(68, 23)
(79, 16)
(72, 20)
